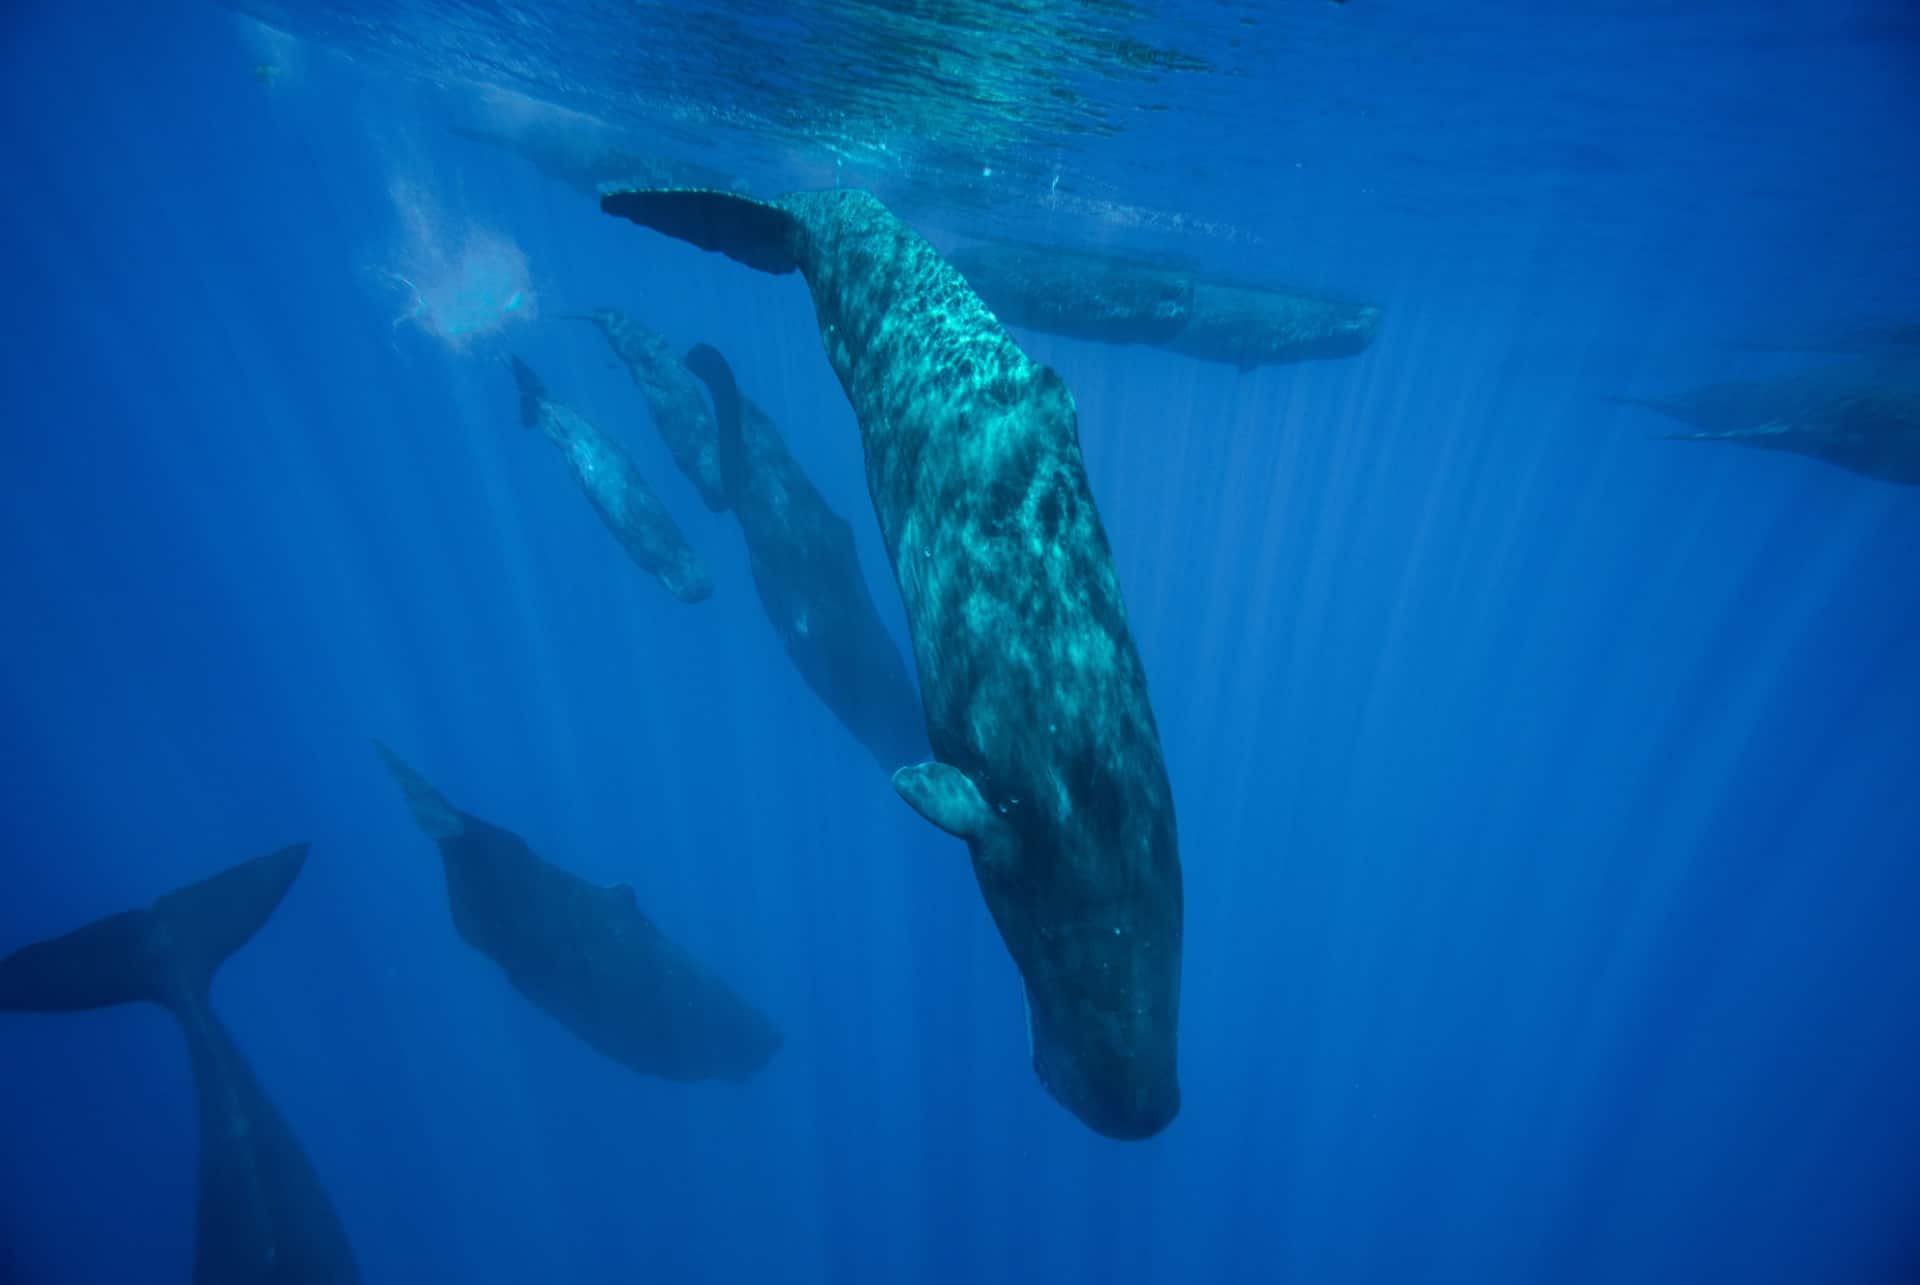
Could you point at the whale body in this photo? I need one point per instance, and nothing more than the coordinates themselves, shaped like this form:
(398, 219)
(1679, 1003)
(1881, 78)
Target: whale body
(674, 398)
(613, 485)
(585, 954)
(1046, 759)
(1113, 300)
(807, 573)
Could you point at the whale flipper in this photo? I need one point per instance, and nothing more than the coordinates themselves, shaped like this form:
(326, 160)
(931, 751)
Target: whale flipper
(947, 797)
(754, 232)
(151, 955)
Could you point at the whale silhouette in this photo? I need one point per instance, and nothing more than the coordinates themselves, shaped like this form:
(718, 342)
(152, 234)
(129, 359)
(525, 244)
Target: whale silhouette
(1865, 418)
(585, 954)
(808, 577)
(261, 1213)
(1115, 300)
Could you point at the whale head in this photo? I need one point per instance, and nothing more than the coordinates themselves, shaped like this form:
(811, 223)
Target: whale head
(1088, 902)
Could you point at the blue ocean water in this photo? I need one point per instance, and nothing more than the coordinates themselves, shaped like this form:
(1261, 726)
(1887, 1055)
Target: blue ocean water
(1546, 791)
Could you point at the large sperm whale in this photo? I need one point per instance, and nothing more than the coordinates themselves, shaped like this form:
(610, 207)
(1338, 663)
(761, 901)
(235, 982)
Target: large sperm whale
(261, 1213)
(585, 954)
(1046, 758)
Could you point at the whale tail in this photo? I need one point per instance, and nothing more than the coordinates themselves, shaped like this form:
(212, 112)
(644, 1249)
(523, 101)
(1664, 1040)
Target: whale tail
(439, 818)
(749, 231)
(164, 955)
(533, 393)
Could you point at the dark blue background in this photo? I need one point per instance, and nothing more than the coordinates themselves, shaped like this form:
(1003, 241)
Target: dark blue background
(1547, 793)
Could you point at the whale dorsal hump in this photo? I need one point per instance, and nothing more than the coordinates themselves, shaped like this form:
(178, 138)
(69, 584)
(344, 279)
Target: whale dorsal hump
(945, 796)
(747, 231)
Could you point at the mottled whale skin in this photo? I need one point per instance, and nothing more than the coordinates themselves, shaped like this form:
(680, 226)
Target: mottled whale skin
(586, 955)
(808, 577)
(261, 1213)
(1046, 758)
(1863, 418)
(674, 397)
(1124, 301)
(619, 494)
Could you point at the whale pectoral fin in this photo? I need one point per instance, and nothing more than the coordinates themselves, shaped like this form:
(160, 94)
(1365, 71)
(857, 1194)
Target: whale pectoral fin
(747, 231)
(945, 796)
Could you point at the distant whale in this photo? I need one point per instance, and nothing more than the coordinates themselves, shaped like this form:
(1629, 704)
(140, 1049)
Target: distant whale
(622, 498)
(261, 1213)
(1115, 300)
(1046, 758)
(1864, 338)
(808, 577)
(1866, 418)
(674, 397)
(585, 955)
(586, 158)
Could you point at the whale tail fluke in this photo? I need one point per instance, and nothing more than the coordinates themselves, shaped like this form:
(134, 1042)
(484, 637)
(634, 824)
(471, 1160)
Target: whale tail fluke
(164, 955)
(439, 818)
(746, 230)
(533, 393)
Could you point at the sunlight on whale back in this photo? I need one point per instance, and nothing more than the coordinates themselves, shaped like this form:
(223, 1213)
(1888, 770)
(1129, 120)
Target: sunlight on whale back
(459, 284)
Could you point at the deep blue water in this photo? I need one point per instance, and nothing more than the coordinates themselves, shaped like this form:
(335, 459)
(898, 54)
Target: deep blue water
(1546, 792)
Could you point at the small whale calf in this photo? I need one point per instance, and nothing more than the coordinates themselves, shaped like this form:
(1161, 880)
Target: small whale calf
(618, 493)
(1046, 758)
(586, 955)
(674, 397)
(808, 577)
(1864, 418)
(261, 1213)
(1084, 295)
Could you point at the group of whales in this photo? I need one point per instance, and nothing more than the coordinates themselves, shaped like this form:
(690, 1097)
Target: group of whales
(1045, 756)
(583, 954)
(1863, 416)
(805, 568)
